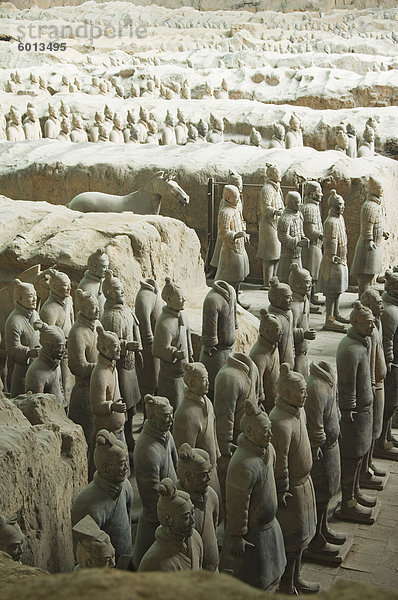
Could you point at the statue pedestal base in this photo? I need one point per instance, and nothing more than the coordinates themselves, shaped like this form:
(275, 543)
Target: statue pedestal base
(326, 559)
(387, 453)
(376, 483)
(353, 517)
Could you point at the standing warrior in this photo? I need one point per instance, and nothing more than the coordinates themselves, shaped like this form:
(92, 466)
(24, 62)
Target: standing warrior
(148, 307)
(155, 457)
(233, 179)
(194, 419)
(278, 138)
(384, 447)
(294, 135)
(253, 537)
(233, 265)
(178, 546)
(333, 274)
(271, 206)
(368, 256)
(311, 256)
(265, 355)
(300, 282)
(51, 125)
(219, 325)
(172, 343)
(356, 405)
(44, 374)
(105, 402)
(97, 265)
(58, 310)
(370, 474)
(82, 358)
(296, 498)
(237, 381)
(291, 236)
(120, 319)
(281, 299)
(22, 340)
(323, 430)
(194, 471)
(108, 499)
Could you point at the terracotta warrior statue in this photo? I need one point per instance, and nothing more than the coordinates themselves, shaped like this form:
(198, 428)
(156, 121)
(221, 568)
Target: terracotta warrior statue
(202, 128)
(121, 320)
(11, 538)
(278, 138)
(385, 445)
(82, 358)
(178, 546)
(291, 236)
(194, 470)
(116, 135)
(311, 256)
(94, 549)
(168, 134)
(93, 133)
(296, 499)
(294, 135)
(58, 310)
(271, 206)
(356, 405)
(265, 355)
(366, 148)
(192, 135)
(215, 135)
(106, 404)
(370, 476)
(64, 111)
(32, 125)
(281, 298)
(342, 142)
(152, 137)
(219, 325)
(148, 307)
(108, 499)
(253, 547)
(44, 373)
(352, 141)
(15, 130)
(22, 340)
(323, 430)
(235, 179)
(194, 419)
(172, 343)
(155, 457)
(181, 129)
(131, 121)
(108, 122)
(333, 273)
(233, 264)
(78, 133)
(97, 264)
(64, 134)
(238, 380)
(367, 261)
(300, 282)
(51, 126)
(103, 135)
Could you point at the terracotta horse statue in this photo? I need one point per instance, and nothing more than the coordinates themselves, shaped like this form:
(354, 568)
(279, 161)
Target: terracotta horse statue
(145, 201)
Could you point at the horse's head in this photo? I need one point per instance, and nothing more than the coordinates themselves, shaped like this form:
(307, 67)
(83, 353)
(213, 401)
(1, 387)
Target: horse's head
(175, 190)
